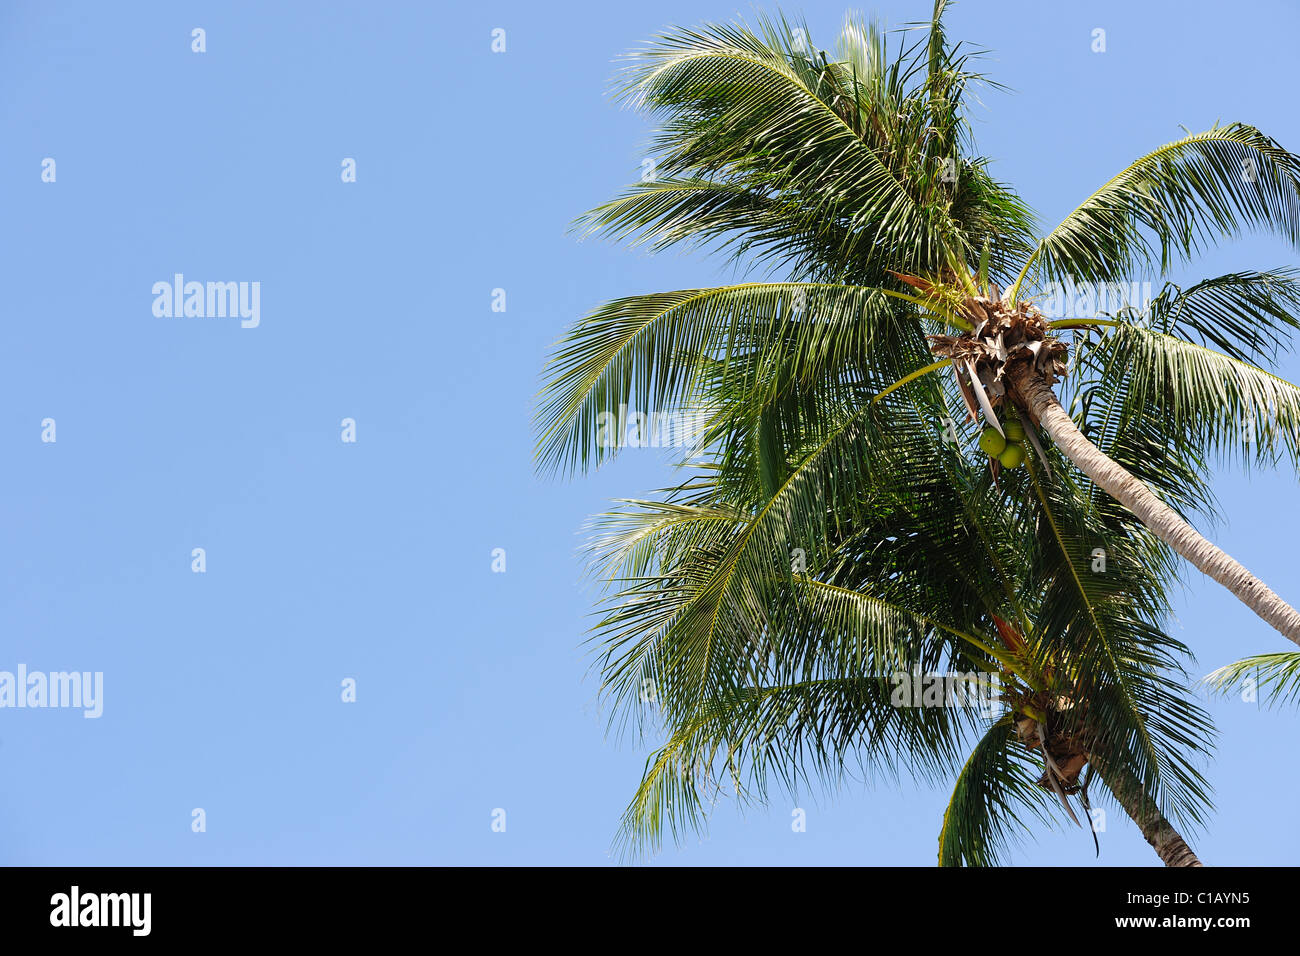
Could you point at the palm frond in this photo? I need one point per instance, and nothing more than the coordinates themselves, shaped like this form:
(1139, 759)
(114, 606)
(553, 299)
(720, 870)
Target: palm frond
(983, 816)
(1208, 403)
(647, 353)
(1249, 316)
(1275, 676)
(754, 738)
(1173, 202)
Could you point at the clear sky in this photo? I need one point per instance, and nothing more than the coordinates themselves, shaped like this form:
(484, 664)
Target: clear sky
(372, 560)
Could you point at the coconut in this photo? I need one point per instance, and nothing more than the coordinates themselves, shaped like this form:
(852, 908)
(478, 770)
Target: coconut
(1015, 431)
(1013, 456)
(991, 443)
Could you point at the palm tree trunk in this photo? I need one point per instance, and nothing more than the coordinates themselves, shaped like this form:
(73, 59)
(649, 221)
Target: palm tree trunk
(1159, 832)
(1159, 518)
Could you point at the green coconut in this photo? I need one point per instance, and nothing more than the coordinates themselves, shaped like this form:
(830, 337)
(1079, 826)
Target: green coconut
(991, 443)
(1015, 431)
(1013, 456)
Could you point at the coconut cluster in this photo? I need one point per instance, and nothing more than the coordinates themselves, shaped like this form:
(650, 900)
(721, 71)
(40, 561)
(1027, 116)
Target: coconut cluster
(1007, 446)
(1002, 335)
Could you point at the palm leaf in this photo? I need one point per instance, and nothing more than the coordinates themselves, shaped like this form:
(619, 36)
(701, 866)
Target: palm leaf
(1171, 203)
(1277, 676)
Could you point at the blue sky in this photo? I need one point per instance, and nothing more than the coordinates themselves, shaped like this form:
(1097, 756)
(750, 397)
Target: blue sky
(372, 560)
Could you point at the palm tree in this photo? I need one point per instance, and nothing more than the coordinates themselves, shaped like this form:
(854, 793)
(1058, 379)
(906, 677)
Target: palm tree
(857, 176)
(909, 559)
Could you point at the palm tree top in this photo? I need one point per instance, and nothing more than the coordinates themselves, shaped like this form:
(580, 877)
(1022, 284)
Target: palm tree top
(837, 397)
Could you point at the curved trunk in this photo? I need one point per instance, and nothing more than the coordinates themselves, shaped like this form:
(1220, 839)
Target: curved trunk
(1159, 832)
(1159, 518)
